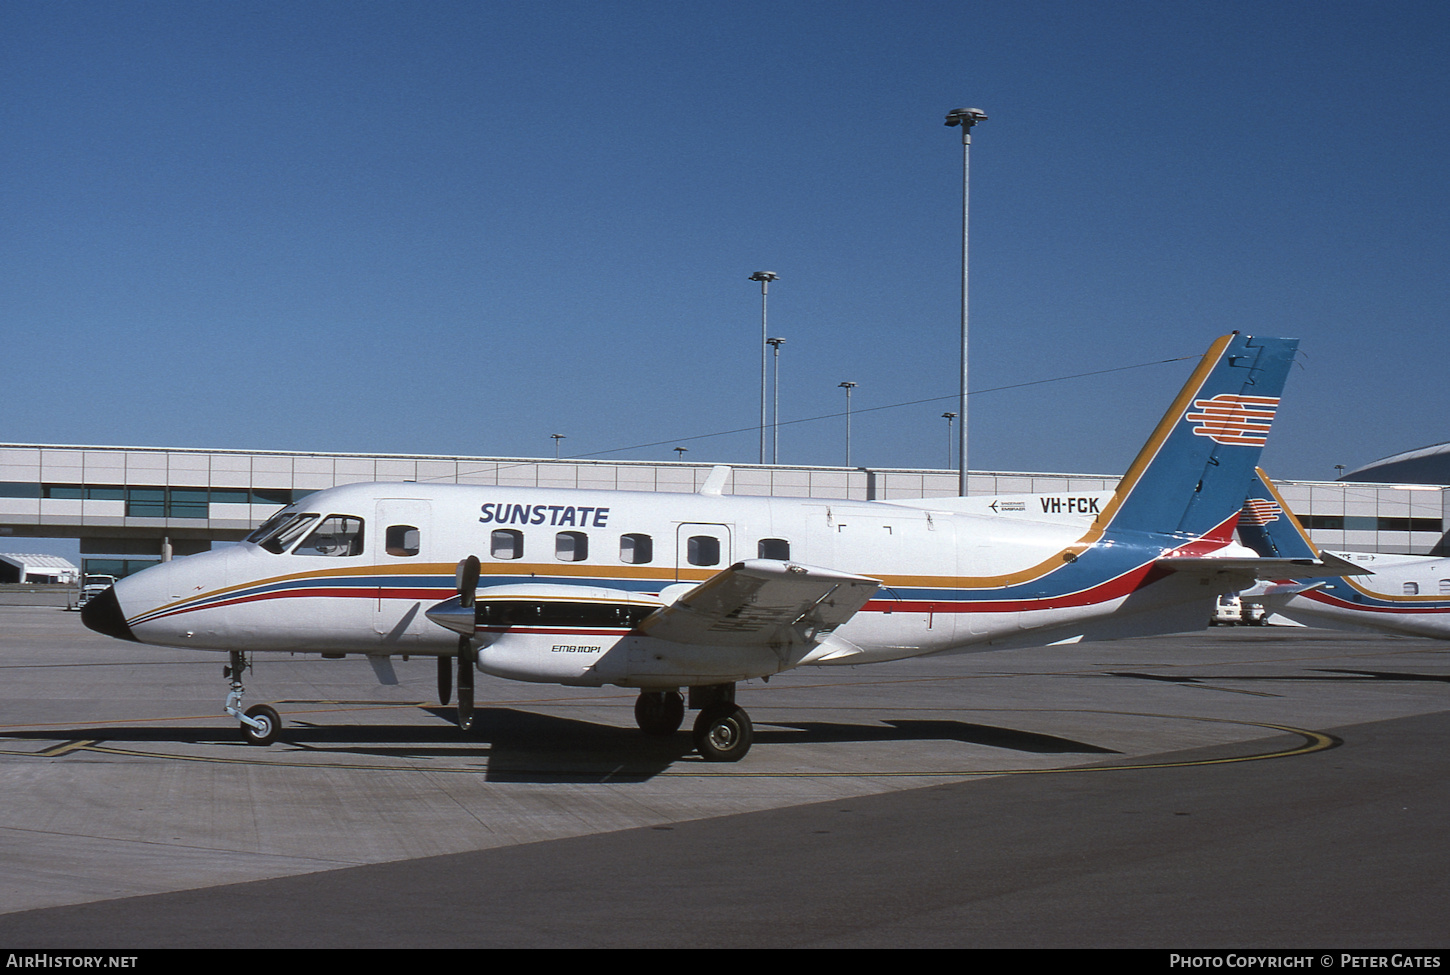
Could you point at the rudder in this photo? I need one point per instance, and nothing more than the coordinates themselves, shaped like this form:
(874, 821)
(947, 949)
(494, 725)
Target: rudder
(1207, 446)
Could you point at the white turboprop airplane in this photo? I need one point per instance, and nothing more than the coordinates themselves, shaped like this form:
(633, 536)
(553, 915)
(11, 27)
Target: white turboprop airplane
(1409, 594)
(668, 591)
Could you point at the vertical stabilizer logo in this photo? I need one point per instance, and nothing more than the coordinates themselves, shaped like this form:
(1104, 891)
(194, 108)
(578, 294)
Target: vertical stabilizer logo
(1232, 419)
(1260, 511)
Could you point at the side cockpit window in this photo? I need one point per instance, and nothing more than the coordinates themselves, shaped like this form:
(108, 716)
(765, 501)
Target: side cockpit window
(338, 536)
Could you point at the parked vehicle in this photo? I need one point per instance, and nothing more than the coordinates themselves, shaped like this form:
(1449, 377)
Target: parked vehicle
(93, 586)
(1232, 611)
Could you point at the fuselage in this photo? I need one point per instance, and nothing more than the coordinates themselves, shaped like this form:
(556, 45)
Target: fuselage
(354, 569)
(666, 591)
(1406, 594)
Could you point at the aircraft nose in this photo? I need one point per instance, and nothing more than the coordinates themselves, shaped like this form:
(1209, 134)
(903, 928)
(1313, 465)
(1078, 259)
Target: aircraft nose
(103, 614)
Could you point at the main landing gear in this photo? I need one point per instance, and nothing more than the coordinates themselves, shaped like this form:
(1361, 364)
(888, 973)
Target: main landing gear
(659, 712)
(260, 724)
(722, 732)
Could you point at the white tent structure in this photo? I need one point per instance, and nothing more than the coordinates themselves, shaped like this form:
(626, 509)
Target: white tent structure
(19, 567)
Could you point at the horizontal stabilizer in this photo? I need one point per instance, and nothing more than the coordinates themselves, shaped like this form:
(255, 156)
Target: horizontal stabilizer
(1325, 565)
(1269, 590)
(762, 602)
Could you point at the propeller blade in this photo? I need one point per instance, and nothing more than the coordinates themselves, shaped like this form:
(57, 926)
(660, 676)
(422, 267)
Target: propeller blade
(444, 614)
(465, 683)
(445, 681)
(467, 580)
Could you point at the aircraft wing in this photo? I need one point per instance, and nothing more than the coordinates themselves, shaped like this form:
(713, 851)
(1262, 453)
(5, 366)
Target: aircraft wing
(762, 601)
(1325, 565)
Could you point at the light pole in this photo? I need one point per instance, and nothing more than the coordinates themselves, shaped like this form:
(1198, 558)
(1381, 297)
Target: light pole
(764, 277)
(557, 437)
(848, 386)
(949, 417)
(966, 118)
(680, 452)
(775, 409)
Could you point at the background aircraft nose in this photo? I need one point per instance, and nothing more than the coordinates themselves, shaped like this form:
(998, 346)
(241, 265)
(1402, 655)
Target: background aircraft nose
(103, 614)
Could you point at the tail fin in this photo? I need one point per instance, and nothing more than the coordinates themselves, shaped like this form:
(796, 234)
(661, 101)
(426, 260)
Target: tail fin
(1206, 447)
(1268, 526)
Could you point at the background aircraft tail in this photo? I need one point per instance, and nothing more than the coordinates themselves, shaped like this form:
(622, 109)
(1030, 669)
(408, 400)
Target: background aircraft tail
(1192, 476)
(1268, 526)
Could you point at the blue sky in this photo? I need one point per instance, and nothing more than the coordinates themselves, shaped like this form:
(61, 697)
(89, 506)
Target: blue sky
(462, 227)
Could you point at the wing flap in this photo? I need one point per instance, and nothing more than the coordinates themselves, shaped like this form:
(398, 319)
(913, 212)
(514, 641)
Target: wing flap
(762, 602)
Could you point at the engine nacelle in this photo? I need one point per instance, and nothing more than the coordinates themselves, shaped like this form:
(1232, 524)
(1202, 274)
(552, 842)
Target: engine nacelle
(593, 659)
(591, 636)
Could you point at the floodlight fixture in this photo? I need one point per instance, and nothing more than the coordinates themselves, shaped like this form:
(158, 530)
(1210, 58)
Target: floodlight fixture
(775, 344)
(847, 386)
(764, 277)
(964, 118)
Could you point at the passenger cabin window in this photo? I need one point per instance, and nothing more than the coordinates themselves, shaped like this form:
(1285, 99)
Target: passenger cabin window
(338, 536)
(1445, 587)
(1412, 589)
(282, 537)
(774, 548)
(703, 550)
(636, 549)
(507, 543)
(402, 540)
(571, 546)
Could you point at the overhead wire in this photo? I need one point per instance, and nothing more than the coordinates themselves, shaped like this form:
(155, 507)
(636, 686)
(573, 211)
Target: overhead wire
(889, 406)
(869, 409)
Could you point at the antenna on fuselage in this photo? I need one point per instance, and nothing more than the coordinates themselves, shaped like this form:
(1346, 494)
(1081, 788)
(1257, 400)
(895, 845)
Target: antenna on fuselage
(714, 485)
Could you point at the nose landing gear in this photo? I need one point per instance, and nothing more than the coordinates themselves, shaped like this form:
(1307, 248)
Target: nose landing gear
(261, 724)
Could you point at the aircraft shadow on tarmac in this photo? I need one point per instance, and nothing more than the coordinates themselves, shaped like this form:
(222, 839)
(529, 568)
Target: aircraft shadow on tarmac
(1317, 674)
(939, 730)
(507, 744)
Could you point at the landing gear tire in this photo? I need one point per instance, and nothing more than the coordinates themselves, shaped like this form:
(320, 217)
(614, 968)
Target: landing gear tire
(723, 733)
(659, 712)
(271, 723)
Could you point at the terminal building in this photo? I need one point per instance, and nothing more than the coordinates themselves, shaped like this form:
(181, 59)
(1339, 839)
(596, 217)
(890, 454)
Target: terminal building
(131, 507)
(1424, 465)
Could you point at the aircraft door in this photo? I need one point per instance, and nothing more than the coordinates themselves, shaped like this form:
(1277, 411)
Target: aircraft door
(817, 544)
(974, 559)
(403, 543)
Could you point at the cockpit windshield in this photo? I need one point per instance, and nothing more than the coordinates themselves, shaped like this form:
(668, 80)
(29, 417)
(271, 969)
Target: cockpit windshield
(270, 525)
(280, 539)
